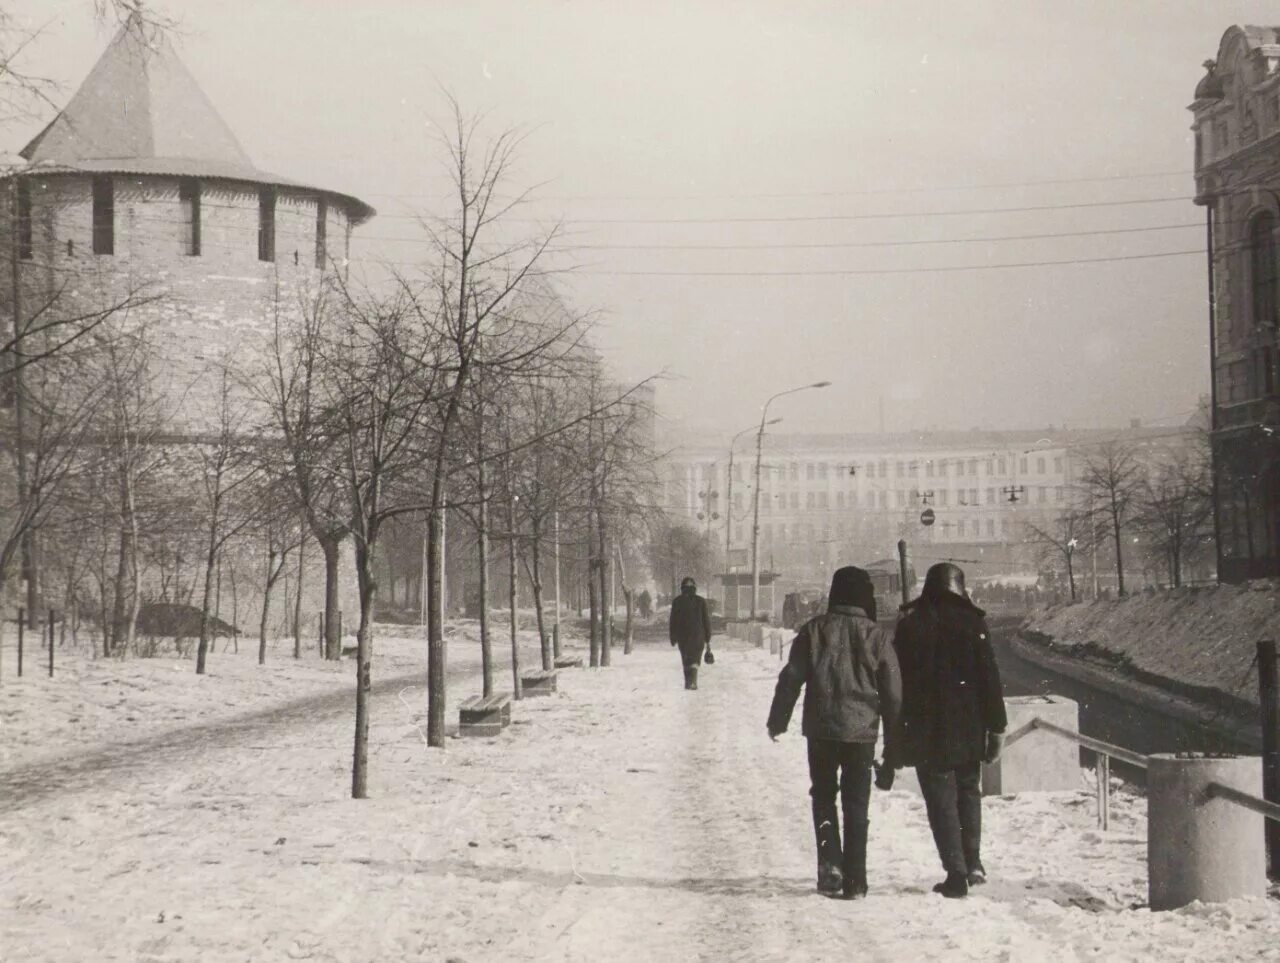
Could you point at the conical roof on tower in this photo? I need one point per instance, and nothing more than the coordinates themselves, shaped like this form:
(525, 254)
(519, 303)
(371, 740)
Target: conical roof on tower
(140, 111)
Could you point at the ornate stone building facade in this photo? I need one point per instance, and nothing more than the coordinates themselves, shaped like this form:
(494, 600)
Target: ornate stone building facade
(1237, 175)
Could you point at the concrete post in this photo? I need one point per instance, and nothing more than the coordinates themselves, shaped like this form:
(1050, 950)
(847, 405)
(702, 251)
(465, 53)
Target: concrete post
(755, 635)
(1198, 847)
(1036, 761)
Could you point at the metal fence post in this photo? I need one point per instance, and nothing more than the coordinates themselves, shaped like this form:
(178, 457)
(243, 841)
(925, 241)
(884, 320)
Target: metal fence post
(1103, 770)
(1269, 693)
(22, 621)
(51, 639)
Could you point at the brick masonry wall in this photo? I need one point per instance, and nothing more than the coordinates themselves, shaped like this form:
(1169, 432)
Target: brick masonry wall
(214, 308)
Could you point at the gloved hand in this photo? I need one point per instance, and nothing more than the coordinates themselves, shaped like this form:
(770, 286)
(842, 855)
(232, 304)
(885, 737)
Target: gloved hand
(884, 775)
(995, 743)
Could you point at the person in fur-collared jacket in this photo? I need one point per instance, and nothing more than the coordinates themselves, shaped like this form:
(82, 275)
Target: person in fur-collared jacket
(953, 717)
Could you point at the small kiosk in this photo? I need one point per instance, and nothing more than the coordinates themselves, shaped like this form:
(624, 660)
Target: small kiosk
(735, 596)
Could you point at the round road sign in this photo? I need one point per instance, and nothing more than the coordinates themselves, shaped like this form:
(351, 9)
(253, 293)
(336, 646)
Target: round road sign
(927, 516)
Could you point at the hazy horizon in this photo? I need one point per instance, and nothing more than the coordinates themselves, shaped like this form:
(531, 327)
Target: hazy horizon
(759, 197)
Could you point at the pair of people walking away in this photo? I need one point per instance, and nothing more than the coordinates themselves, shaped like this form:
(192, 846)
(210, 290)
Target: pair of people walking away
(847, 666)
(690, 629)
(936, 684)
(953, 718)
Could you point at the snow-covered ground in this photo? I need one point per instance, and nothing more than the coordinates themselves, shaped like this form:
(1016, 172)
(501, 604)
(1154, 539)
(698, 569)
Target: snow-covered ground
(146, 814)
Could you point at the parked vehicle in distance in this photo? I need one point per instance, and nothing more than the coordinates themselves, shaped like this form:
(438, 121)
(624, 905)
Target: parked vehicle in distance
(800, 606)
(887, 579)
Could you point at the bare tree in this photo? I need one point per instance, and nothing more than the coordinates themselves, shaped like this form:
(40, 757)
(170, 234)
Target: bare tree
(1070, 532)
(229, 468)
(1111, 479)
(295, 390)
(1174, 506)
(475, 276)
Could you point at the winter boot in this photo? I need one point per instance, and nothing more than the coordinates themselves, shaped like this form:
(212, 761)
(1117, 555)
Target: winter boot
(827, 832)
(855, 859)
(693, 676)
(955, 886)
(977, 875)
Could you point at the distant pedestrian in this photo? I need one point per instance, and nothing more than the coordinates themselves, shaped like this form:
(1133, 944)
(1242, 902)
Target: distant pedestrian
(645, 602)
(846, 664)
(953, 718)
(690, 629)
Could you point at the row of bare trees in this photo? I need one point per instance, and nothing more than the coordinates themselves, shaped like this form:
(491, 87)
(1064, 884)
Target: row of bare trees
(1158, 499)
(464, 387)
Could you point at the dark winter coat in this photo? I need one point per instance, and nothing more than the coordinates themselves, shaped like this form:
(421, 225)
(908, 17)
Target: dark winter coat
(847, 666)
(951, 691)
(690, 626)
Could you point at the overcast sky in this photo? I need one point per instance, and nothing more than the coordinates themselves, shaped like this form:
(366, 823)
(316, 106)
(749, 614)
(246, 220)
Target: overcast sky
(715, 164)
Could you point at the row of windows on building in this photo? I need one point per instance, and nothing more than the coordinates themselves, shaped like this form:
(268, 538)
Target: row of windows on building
(960, 528)
(943, 498)
(790, 501)
(882, 469)
(189, 223)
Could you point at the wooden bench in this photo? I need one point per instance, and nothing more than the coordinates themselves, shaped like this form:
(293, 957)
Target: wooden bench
(541, 683)
(568, 662)
(484, 716)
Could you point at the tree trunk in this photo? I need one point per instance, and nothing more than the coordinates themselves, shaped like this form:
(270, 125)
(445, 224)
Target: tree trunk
(628, 596)
(1071, 578)
(297, 599)
(515, 597)
(235, 614)
(274, 571)
(210, 560)
(1115, 525)
(435, 622)
(364, 674)
(602, 575)
(592, 588)
(482, 549)
(332, 640)
(113, 634)
(535, 577)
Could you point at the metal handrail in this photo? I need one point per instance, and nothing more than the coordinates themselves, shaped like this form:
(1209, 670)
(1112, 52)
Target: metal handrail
(1097, 745)
(1263, 807)
(1268, 809)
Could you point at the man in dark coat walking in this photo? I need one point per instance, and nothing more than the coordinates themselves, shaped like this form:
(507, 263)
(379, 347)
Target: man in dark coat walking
(953, 718)
(846, 664)
(690, 628)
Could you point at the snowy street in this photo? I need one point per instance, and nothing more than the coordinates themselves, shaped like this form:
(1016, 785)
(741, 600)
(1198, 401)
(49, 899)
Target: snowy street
(621, 819)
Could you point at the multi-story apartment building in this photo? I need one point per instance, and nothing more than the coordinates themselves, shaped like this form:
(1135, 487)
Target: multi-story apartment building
(1237, 171)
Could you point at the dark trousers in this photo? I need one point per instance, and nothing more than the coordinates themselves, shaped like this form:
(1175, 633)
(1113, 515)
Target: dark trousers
(953, 800)
(843, 766)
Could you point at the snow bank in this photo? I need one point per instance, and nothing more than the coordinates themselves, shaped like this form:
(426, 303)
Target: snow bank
(621, 819)
(1199, 637)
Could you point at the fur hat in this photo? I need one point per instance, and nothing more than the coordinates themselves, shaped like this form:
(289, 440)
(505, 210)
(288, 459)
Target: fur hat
(852, 586)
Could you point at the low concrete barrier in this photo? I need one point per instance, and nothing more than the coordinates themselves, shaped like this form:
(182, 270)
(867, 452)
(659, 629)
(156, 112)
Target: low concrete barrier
(1202, 847)
(1035, 760)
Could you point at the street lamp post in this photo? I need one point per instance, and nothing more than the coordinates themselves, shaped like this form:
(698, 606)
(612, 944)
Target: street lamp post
(728, 507)
(755, 515)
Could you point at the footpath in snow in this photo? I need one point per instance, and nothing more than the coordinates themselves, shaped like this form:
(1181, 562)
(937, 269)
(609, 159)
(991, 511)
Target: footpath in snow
(149, 815)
